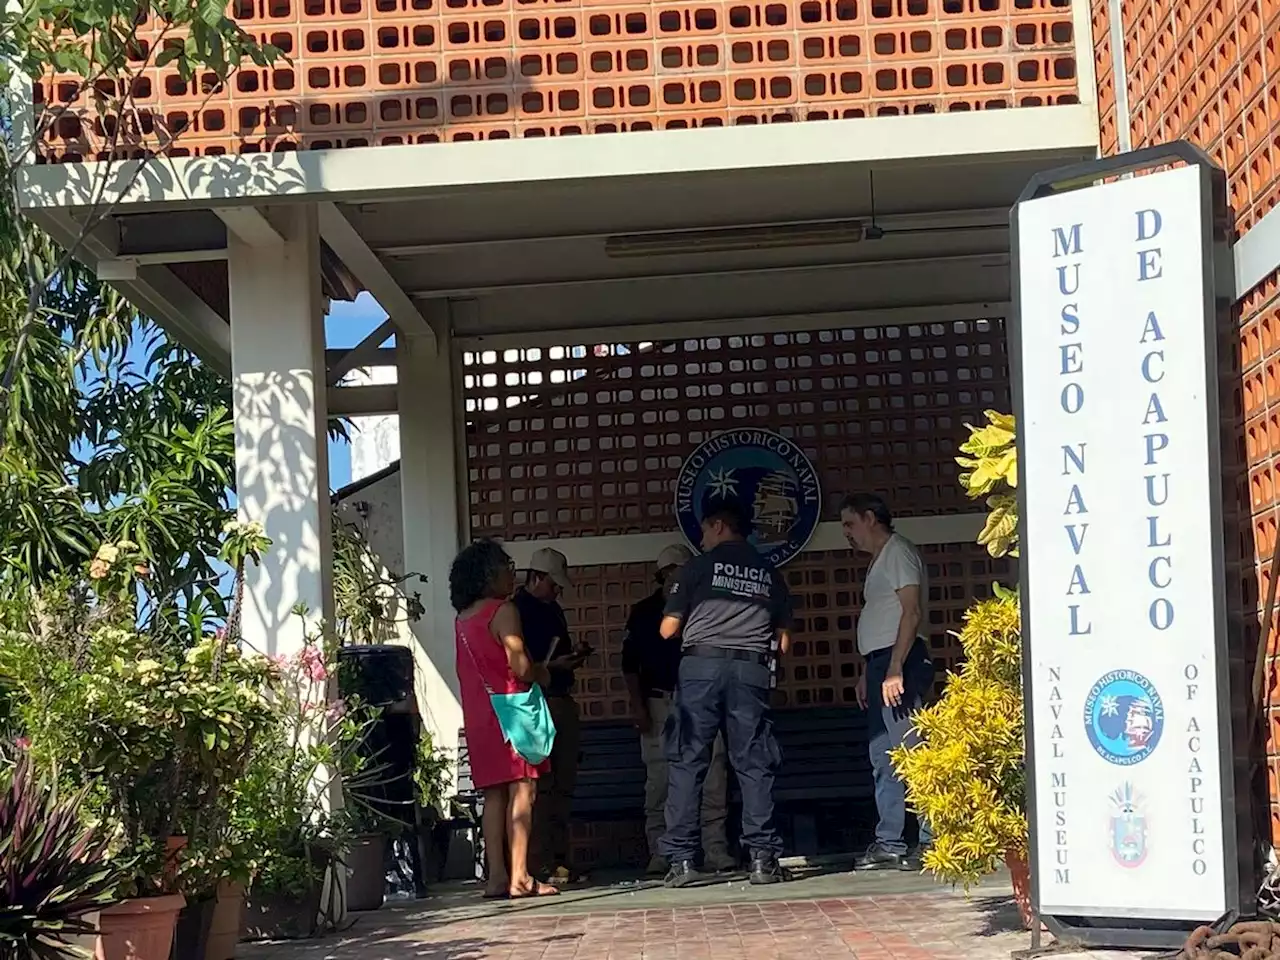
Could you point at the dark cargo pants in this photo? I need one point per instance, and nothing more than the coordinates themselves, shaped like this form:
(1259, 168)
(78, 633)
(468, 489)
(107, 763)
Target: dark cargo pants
(720, 694)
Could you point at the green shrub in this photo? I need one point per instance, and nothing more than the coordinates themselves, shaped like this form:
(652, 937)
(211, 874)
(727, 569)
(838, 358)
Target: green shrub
(967, 777)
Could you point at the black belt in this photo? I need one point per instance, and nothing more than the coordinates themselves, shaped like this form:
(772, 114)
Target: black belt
(918, 650)
(726, 653)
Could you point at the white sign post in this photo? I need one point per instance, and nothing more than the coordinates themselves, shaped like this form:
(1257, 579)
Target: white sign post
(1129, 739)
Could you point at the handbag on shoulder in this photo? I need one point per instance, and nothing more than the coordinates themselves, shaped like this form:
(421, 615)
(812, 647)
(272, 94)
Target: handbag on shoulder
(525, 718)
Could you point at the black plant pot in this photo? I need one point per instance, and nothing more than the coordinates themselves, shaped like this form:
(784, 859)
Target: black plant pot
(191, 936)
(277, 916)
(366, 863)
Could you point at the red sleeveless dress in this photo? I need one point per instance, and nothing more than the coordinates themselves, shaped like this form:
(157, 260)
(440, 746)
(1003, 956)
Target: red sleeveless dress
(493, 761)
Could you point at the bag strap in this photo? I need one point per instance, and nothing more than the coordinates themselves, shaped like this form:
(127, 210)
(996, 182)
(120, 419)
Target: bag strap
(462, 635)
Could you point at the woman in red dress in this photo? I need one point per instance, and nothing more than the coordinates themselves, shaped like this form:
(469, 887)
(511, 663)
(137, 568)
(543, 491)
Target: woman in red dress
(490, 650)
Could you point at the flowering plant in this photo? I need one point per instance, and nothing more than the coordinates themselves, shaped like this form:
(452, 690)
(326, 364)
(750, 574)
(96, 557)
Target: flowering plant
(288, 806)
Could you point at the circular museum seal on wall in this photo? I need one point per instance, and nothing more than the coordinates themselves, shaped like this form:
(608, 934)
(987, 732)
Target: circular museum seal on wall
(767, 474)
(1124, 717)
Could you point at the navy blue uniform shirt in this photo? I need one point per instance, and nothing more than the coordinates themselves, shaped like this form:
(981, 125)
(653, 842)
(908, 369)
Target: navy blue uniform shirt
(730, 597)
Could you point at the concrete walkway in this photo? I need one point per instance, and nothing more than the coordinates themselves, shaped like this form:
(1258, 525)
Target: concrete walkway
(831, 916)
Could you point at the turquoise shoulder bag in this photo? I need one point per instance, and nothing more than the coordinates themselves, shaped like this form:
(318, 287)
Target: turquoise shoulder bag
(525, 718)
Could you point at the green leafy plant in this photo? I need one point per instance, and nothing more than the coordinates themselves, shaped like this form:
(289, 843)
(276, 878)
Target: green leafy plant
(990, 465)
(54, 867)
(156, 733)
(967, 777)
(433, 772)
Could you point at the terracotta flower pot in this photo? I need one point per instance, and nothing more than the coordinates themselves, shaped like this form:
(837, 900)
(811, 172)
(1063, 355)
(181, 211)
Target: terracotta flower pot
(1020, 873)
(228, 921)
(138, 929)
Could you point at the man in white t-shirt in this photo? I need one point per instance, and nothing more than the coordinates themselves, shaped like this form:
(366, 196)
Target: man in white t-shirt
(899, 671)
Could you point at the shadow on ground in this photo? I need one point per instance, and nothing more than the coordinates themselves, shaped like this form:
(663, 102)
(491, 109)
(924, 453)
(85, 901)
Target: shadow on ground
(999, 915)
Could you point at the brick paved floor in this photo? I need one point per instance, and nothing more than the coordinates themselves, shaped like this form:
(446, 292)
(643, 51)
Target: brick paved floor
(933, 925)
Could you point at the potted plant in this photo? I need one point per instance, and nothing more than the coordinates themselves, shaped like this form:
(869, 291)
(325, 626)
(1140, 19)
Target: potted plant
(235, 693)
(287, 806)
(966, 777)
(367, 820)
(433, 774)
(56, 873)
(113, 701)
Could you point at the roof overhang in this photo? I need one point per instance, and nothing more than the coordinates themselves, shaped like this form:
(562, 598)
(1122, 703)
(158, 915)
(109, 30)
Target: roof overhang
(390, 172)
(518, 227)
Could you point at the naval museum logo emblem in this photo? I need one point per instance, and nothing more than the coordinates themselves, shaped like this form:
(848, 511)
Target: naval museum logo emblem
(1128, 827)
(766, 474)
(1124, 717)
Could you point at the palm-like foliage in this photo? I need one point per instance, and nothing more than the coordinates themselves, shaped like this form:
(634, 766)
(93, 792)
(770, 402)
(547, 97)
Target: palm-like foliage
(53, 868)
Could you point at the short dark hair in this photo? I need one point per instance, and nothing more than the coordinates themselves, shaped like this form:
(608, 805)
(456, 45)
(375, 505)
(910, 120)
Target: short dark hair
(732, 514)
(863, 503)
(474, 570)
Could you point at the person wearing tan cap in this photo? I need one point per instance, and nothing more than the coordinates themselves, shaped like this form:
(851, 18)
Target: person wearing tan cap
(651, 666)
(546, 635)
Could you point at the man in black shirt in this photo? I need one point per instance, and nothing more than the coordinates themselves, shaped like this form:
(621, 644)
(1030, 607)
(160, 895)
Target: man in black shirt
(546, 635)
(732, 610)
(650, 664)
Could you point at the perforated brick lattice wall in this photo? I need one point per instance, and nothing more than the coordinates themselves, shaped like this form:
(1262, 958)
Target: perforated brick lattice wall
(1256, 494)
(827, 590)
(588, 441)
(365, 72)
(1207, 71)
(562, 446)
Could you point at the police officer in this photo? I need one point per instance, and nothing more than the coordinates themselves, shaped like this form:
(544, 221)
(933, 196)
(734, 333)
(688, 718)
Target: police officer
(732, 610)
(650, 667)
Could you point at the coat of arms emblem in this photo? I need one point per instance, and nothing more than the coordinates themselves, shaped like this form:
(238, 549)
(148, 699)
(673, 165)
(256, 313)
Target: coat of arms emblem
(1128, 827)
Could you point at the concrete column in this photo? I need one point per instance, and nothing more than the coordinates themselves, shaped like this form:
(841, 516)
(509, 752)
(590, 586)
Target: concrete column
(430, 425)
(282, 463)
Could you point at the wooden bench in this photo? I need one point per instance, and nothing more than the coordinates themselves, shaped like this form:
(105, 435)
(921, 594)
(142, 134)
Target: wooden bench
(824, 759)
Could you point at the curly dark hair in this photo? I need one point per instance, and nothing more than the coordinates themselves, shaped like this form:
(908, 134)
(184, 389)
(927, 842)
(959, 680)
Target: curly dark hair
(473, 571)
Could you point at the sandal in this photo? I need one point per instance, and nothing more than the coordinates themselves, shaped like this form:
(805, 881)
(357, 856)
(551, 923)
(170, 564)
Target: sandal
(536, 890)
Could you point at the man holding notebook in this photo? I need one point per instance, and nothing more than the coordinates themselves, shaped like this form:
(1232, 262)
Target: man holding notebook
(546, 637)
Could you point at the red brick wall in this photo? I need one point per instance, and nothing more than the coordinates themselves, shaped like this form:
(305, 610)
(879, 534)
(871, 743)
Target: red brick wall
(366, 72)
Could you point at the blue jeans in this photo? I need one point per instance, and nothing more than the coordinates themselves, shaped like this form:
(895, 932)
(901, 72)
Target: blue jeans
(715, 695)
(890, 727)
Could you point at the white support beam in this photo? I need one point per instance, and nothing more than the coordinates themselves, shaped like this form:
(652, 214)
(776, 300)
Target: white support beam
(735, 326)
(161, 258)
(346, 242)
(430, 510)
(369, 400)
(974, 261)
(155, 291)
(249, 225)
(393, 172)
(362, 354)
(644, 547)
(1256, 255)
(282, 476)
(381, 357)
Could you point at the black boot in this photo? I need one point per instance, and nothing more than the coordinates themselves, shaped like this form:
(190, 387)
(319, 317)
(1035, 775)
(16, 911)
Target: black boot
(878, 858)
(765, 868)
(682, 873)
